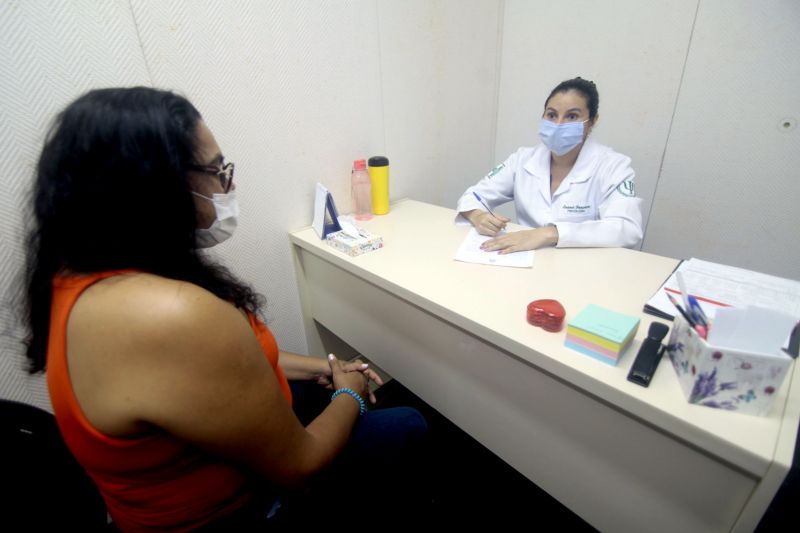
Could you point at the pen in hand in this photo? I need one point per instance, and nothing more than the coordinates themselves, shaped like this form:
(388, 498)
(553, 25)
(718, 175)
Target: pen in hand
(502, 220)
(482, 202)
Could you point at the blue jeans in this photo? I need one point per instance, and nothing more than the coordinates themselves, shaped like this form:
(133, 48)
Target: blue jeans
(378, 473)
(378, 476)
(377, 436)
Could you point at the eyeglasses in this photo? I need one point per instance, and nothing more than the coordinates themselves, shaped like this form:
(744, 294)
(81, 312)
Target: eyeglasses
(224, 173)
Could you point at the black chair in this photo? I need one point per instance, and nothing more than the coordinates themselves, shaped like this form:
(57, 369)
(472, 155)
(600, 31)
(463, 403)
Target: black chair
(45, 488)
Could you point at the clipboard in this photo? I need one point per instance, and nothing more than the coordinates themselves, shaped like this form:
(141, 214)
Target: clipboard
(651, 308)
(326, 218)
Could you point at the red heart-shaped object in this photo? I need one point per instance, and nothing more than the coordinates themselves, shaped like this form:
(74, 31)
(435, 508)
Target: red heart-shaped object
(546, 314)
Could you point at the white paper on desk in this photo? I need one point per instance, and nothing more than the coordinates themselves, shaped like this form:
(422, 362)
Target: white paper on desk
(720, 286)
(738, 287)
(470, 252)
(753, 329)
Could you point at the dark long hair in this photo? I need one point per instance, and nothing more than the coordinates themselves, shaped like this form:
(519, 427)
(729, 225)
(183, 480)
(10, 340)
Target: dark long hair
(111, 192)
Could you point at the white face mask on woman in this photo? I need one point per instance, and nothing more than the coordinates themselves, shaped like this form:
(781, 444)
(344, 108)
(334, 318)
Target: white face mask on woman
(227, 213)
(561, 138)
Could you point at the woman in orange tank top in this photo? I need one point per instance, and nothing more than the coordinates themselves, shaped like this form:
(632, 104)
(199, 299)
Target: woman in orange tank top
(166, 386)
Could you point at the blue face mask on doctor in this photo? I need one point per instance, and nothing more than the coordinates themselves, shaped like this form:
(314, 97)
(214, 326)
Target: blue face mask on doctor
(561, 138)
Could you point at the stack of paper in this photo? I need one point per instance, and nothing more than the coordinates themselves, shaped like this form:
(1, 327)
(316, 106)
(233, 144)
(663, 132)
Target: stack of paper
(719, 286)
(601, 333)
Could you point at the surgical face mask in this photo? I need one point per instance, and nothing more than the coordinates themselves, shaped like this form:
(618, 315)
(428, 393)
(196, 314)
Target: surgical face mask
(227, 210)
(561, 138)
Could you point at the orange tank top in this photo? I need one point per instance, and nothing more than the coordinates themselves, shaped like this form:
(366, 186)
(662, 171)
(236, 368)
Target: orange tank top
(149, 482)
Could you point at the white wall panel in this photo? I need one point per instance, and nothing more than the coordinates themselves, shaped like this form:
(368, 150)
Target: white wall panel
(295, 91)
(50, 52)
(729, 188)
(439, 63)
(634, 51)
(291, 91)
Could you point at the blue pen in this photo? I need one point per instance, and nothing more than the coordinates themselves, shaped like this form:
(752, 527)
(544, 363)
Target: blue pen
(482, 203)
(697, 311)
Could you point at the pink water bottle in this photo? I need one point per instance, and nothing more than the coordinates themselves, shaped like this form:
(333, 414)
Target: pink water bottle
(360, 190)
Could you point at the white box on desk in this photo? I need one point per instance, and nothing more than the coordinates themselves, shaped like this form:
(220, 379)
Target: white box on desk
(724, 378)
(366, 242)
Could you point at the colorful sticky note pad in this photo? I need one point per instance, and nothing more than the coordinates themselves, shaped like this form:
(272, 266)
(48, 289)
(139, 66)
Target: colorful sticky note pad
(601, 333)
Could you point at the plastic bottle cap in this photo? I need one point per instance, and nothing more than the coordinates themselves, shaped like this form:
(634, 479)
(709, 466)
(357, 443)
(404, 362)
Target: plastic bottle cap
(360, 164)
(378, 161)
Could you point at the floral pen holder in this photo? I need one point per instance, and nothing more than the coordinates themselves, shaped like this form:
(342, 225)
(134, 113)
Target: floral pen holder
(724, 378)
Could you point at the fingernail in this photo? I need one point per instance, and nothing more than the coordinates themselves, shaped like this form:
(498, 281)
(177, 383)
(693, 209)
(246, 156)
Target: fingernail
(365, 365)
(331, 356)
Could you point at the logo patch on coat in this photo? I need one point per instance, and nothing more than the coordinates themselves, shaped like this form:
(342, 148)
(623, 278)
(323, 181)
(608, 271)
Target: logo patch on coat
(495, 170)
(626, 188)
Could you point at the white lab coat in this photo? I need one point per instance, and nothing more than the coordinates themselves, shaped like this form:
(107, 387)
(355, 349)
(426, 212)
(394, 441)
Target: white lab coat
(594, 205)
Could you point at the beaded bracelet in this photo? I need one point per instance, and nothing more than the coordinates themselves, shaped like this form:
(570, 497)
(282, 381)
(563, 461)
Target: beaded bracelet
(362, 407)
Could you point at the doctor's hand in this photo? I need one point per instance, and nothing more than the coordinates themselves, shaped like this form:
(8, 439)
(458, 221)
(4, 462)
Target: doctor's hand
(486, 223)
(518, 241)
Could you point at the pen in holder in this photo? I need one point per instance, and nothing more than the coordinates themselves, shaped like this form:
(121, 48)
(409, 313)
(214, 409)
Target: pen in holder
(724, 378)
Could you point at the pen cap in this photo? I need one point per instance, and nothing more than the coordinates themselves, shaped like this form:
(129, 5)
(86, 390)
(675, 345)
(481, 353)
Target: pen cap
(379, 176)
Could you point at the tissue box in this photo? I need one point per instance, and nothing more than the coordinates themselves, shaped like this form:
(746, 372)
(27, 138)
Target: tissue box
(724, 378)
(601, 333)
(366, 242)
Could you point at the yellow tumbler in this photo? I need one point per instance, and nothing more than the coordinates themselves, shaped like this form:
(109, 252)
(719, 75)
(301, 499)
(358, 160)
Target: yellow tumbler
(379, 178)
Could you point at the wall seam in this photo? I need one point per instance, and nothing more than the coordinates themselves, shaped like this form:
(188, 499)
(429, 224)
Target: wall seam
(141, 43)
(671, 122)
(497, 74)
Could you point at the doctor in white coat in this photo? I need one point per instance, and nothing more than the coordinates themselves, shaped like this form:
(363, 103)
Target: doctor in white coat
(572, 190)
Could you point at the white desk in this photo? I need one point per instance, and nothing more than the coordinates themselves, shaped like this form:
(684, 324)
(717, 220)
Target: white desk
(623, 457)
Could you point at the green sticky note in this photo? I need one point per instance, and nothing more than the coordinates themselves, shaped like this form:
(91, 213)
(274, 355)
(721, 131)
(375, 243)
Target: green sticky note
(606, 323)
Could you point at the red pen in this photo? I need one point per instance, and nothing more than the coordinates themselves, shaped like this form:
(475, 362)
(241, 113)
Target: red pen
(701, 330)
